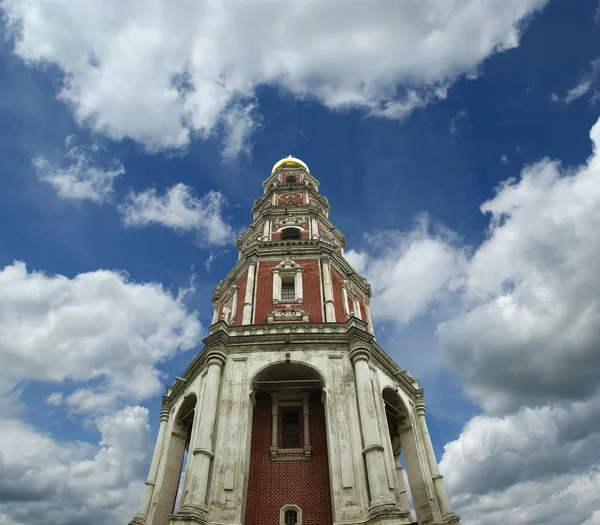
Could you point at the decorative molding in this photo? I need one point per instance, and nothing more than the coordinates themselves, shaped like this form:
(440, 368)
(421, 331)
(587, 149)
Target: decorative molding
(287, 314)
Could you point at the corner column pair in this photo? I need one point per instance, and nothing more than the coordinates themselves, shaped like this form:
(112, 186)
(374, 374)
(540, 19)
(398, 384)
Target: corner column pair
(193, 507)
(381, 499)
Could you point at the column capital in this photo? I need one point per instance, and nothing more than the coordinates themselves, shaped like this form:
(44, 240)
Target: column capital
(216, 357)
(325, 259)
(356, 354)
(164, 414)
(421, 407)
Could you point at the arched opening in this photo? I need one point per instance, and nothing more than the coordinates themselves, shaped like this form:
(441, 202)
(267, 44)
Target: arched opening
(289, 466)
(290, 234)
(176, 452)
(291, 179)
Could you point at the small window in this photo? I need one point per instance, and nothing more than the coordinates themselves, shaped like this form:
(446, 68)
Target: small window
(288, 293)
(290, 234)
(291, 179)
(291, 430)
(290, 517)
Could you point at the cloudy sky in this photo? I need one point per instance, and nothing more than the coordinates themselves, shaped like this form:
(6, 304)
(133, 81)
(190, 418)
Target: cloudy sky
(458, 142)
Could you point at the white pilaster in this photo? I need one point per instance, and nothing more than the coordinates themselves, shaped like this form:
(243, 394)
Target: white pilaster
(298, 286)
(249, 296)
(345, 299)
(276, 286)
(368, 316)
(328, 291)
(215, 317)
(373, 451)
(202, 450)
(234, 302)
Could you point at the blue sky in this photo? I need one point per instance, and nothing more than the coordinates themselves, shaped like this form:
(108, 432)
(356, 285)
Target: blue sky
(412, 137)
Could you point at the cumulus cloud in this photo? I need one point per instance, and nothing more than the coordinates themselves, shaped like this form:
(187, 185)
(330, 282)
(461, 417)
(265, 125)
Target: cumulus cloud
(97, 326)
(522, 334)
(105, 334)
(162, 72)
(526, 346)
(180, 210)
(82, 175)
(408, 271)
(47, 481)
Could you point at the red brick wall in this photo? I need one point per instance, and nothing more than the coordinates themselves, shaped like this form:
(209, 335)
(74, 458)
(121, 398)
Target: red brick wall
(273, 484)
(338, 299)
(311, 284)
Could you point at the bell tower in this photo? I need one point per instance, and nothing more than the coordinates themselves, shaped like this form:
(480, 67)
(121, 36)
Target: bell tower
(292, 414)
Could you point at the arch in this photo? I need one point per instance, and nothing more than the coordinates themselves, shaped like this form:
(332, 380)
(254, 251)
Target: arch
(294, 368)
(288, 441)
(177, 446)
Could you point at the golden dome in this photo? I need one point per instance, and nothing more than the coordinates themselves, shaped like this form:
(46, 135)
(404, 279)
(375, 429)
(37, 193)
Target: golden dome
(289, 162)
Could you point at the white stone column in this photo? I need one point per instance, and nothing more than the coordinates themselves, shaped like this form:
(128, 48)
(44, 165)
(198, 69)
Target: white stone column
(306, 413)
(345, 299)
(267, 230)
(234, 302)
(276, 286)
(327, 291)
(373, 451)
(357, 311)
(249, 297)
(368, 316)
(298, 286)
(156, 457)
(202, 450)
(314, 228)
(274, 426)
(438, 484)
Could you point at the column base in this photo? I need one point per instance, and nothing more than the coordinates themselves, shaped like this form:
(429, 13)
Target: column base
(138, 520)
(388, 514)
(450, 518)
(188, 515)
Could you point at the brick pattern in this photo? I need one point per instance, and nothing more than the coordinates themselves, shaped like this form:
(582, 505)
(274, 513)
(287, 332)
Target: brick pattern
(273, 484)
(311, 284)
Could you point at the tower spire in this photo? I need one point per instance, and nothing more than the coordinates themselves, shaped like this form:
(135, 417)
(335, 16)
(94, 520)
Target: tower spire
(292, 413)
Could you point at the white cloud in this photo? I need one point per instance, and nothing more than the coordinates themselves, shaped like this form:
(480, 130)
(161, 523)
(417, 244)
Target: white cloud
(160, 72)
(180, 210)
(455, 120)
(522, 334)
(80, 177)
(96, 326)
(529, 331)
(504, 159)
(46, 481)
(408, 271)
(584, 85)
(105, 334)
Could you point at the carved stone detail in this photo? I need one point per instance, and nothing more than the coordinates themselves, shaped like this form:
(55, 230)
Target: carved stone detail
(287, 314)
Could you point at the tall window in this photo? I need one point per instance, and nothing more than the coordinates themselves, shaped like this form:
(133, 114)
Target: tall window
(291, 430)
(288, 292)
(290, 234)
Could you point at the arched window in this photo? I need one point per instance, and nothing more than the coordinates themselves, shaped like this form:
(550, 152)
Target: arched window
(290, 234)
